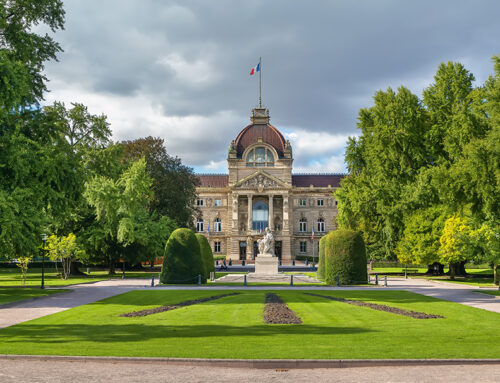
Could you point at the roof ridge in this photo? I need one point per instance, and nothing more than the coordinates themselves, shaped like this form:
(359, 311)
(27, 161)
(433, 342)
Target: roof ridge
(211, 174)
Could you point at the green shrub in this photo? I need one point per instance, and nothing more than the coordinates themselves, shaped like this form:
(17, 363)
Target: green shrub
(345, 258)
(321, 257)
(206, 254)
(182, 262)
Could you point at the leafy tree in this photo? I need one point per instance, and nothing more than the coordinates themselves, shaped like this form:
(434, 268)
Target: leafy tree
(487, 238)
(174, 184)
(455, 243)
(381, 163)
(64, 249)
(22, 263)
(420, 242)
(23, 52)
(123, 217)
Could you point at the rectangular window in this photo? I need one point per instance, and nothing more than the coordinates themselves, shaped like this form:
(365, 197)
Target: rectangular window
(302, 202)
(199, 202)
(303, 247)
(217, 247)
(199, 225)
(303, 226)
(320, 202)
(218, 203)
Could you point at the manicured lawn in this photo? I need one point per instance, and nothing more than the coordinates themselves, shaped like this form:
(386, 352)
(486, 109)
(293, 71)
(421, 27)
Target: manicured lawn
(12, 277)
(489, 292)
(421, 270)
(233, 327)
(13, 294)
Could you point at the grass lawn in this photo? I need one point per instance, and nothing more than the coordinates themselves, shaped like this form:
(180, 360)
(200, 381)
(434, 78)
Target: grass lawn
(13, 294)
(12, 277)
(422, 270)
(233, 327)
(489, 292)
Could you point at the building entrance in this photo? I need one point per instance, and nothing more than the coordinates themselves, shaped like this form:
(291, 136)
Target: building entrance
(243, 250)
(277, 249)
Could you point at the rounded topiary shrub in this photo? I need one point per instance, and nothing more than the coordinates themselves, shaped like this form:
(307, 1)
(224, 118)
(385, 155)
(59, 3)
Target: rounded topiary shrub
(206, 254)
(182, 261)
(321, 258)
(345, 257)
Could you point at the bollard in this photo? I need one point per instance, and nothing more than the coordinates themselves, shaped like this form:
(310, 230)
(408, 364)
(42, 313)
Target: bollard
(199, 279)
(244, 280)
(291, 280)
(152, 280)
(338, 281)
(385, 281)
(230, 262)
(293, 262)
(376, 279)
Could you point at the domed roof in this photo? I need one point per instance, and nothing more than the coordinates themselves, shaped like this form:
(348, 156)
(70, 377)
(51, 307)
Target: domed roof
(260, 129)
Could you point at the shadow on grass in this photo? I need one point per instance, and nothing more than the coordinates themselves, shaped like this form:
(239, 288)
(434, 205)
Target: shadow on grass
(68, 333)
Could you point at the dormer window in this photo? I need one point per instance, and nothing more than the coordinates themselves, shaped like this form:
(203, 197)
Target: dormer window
(260, 157)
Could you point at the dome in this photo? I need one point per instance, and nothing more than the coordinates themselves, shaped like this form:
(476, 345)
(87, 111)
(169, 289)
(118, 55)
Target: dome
(260, 129)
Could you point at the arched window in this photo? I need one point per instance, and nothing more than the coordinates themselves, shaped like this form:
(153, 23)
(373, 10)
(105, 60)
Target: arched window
(321, 225)
(199, 225)
(260, 157)
(217, 224)
(260, 215)
(303, 225)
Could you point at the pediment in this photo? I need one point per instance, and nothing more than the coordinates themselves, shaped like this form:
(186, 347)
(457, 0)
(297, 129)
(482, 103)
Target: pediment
(261, 180)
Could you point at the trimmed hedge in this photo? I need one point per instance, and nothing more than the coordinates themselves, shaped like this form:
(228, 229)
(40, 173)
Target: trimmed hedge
(321, 261)
(345, 258)
(206, 254)
(182, 262)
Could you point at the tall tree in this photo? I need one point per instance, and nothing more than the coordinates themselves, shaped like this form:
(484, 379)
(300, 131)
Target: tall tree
(174, 184)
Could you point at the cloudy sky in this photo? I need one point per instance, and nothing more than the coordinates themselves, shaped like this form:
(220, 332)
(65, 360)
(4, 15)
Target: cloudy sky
(180, 69)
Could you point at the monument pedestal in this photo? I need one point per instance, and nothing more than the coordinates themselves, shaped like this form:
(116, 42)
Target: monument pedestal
(266, 265)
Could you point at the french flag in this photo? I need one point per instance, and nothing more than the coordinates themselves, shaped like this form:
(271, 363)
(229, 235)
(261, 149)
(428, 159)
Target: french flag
(255, 69)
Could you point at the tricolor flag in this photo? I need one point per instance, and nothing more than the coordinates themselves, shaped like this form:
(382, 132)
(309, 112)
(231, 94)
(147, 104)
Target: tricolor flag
(208, 228)
(312, 234)
(255, 69)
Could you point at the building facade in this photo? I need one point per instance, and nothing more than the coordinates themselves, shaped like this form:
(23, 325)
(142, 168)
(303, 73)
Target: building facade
(261, 191)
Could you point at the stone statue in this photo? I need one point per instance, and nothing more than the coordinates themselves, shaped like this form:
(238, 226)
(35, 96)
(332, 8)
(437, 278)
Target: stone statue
(266, 244)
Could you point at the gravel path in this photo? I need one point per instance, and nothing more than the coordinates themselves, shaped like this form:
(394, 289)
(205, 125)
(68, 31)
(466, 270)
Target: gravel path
(36, 371)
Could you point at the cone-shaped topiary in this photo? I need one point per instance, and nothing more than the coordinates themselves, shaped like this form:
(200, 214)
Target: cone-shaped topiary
(182, 261)
(321, 257)
(206, 254)
(345, 257)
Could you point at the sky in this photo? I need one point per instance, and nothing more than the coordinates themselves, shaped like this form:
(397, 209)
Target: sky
(179, 70)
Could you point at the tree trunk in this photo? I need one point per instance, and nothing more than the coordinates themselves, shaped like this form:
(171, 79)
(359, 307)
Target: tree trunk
(435, 269)
(111, 267)
(453, 268)
(74, 270)
(461, 269)
(495, 274)
(371, 265)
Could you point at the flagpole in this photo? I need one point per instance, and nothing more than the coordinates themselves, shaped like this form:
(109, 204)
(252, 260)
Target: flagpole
(260, 82)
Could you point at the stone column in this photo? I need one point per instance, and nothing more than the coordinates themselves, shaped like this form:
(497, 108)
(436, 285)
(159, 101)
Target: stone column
(235, 212)
(271, 213)
(286, 223)
(249, 225)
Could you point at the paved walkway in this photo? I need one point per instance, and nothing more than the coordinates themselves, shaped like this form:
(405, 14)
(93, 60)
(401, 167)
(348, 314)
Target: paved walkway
(87, 293)
(14, 371)
(263, 278)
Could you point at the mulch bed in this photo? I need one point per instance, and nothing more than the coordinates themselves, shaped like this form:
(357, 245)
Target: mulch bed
(374, 306)
(277, 312)
(161, 309)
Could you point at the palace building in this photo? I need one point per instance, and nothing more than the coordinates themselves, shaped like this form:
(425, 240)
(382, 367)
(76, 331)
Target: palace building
(261, 191)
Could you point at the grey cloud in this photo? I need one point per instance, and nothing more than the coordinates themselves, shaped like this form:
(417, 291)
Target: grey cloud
(322, 60)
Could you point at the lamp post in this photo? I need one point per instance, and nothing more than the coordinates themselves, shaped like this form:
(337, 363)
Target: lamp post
(44, 238)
